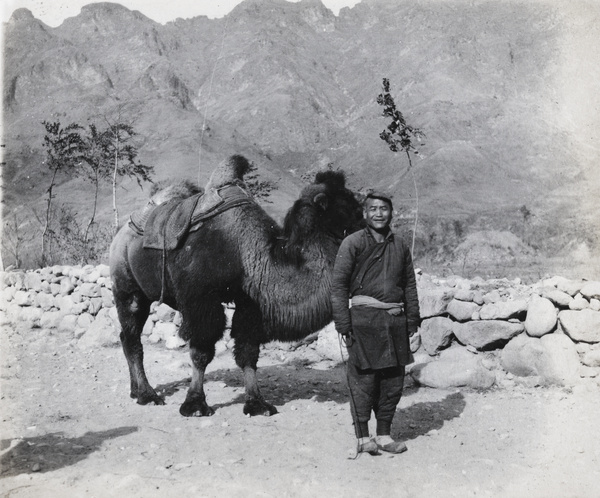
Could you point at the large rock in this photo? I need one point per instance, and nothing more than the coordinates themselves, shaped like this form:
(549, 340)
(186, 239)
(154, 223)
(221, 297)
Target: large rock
(561, 365)
(57, 270)
(591, 358)
(7, 295)
(581, 325)
(456, 367)
(31, 316)
(14, 279)
(68, 323)
(74, 272)
(90, 289)
(481, 334)
(64, 304)
(503, 310)
(104, 270)
(591, 290)
(24, 298)
(45, 301)
(436, 333)
(558, 282)
(148, 328)
(553, 358)
(100, 333)
(466, 295)
(91, 276)
(328, 344)
(164, 313)
(462, 310)
(571, 287)
(84, 321)
(541, 317)
(50, 319)
(66, 286)
(579, 303)
(433, 301)
(107, 297)
(521, 355)
(558, 297)
(174, 342)
(94, 305)
(165, 330)
(33, 281)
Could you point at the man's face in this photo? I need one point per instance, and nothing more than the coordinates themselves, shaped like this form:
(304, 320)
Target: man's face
(377, 213)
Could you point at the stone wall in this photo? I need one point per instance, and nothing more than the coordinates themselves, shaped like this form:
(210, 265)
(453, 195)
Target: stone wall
(476, 333)
(484, 332)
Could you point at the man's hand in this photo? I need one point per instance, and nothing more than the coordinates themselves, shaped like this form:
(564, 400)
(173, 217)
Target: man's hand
(347, 338)
(415, 342)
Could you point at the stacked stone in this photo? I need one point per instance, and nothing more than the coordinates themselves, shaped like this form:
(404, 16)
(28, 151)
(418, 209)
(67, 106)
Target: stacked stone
(476, 331)
(79, 300)
(58, 297)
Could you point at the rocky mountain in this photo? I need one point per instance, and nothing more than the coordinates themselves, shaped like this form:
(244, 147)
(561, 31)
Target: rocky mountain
(507, 93)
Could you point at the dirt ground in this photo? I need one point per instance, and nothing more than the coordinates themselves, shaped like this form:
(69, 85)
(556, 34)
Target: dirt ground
(69, 428)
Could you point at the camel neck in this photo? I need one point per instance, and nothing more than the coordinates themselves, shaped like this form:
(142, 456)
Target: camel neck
(295, 298)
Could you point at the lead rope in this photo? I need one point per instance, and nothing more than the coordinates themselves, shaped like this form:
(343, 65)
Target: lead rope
(164, 266)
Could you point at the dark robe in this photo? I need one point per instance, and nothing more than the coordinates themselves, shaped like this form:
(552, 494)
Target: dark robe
(384, 271)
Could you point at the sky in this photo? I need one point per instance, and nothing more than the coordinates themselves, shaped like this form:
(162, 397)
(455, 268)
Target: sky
(54, 12)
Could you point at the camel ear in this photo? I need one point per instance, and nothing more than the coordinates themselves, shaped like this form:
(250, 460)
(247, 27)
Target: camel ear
(321, 201)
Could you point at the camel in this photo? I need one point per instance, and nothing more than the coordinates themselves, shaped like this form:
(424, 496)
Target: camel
(277, 277)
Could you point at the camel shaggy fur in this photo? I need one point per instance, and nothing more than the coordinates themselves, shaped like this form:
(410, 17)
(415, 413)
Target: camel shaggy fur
(278, 278)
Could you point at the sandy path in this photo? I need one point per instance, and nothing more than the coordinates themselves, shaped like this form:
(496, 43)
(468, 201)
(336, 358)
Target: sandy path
(75, 432)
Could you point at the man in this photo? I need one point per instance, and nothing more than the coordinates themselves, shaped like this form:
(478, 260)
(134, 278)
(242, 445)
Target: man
(374, 268)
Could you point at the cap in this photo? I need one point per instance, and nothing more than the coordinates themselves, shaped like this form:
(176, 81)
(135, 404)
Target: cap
(381, 197)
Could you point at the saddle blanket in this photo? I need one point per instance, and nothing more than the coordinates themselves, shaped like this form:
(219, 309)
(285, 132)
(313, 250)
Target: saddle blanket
(166, 225)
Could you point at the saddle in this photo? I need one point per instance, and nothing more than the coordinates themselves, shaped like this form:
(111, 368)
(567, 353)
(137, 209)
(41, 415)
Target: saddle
(166, 225)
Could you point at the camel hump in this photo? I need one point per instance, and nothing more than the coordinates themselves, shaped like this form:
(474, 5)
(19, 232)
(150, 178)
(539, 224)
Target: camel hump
(163, 192)
(334, 179)
(230, 171)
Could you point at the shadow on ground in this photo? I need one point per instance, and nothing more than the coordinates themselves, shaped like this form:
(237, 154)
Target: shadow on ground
(294, 381)
(420, 418)
(279, 384)
(52, 451)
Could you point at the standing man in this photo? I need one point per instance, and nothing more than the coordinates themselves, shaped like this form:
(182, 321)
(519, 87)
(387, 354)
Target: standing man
(374, 269)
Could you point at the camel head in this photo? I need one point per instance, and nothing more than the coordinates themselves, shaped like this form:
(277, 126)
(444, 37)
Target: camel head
(326, 208)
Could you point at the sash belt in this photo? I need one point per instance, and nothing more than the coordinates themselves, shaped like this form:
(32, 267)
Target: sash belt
(394, 309)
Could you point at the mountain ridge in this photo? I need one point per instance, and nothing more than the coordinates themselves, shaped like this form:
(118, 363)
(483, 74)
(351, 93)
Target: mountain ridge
(294, 87)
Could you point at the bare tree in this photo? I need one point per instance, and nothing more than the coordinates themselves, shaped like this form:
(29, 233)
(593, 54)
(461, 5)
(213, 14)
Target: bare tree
(15, 237)
(119, 143)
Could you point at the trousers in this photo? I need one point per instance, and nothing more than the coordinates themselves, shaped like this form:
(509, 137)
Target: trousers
(378, 391)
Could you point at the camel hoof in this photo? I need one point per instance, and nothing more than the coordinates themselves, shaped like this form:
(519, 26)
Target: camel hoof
(147, 399)
(258, 407)
(195, 409)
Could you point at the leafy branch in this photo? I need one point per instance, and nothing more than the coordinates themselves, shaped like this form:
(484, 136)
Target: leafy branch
(400, 136)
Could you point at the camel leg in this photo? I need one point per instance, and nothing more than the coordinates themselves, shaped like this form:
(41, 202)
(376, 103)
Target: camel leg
(133, 310)
(248, 332)
(204, 326)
